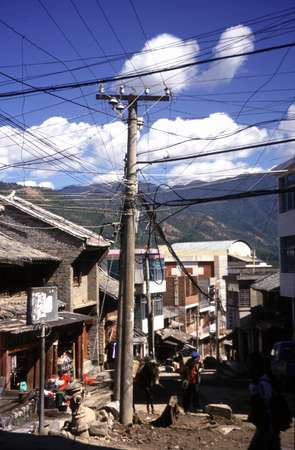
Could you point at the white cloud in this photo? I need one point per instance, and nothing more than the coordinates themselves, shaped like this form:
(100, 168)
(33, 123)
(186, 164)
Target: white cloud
(167, 50)
(287, 127)
(67, 146)
(234, 40)
(32, 183)
(209, 170)
(105, 161)
(109, 177)
(203, 133)
(47, 184)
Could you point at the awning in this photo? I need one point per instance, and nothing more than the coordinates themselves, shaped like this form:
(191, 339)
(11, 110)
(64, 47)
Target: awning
(139, 337)
(18, 326)
(175, 324)
(174, 335)
(168, 342)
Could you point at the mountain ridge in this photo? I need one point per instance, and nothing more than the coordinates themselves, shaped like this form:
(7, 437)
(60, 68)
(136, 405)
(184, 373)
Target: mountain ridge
(251, 219)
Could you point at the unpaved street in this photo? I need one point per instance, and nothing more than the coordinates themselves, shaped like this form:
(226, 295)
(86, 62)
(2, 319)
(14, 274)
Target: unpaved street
(191, 432)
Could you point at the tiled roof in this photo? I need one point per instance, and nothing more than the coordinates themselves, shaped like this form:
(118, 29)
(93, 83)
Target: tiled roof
(268, 283)
(15, 252)
(90, 238)
(18, 325)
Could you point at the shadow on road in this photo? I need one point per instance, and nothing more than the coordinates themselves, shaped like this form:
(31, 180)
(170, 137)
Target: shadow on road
(17, 441)
(213, 389)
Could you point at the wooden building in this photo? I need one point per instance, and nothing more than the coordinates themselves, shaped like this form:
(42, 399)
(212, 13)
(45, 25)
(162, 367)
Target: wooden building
(61, 253)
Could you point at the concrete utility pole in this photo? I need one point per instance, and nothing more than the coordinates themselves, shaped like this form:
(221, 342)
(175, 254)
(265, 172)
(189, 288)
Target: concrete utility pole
(217, 300)
(117, 384)
(128, 248)
(198, 326)
(150, 306)
(42, 380)
(41, 330)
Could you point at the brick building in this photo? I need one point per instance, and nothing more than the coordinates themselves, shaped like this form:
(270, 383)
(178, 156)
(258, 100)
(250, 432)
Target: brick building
(208, 263)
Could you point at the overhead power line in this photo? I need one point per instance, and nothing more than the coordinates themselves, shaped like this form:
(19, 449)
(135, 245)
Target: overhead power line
(140, 74)
(217, 152)
(236, 196)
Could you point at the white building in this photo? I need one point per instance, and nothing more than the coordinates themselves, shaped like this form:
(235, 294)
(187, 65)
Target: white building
(208, 262)
(157, 285)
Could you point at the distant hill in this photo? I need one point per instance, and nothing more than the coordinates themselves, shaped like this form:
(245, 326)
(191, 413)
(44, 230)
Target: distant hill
(253, 219)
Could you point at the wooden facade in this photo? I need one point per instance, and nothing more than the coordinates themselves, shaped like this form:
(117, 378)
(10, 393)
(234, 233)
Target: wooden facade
(20, 349)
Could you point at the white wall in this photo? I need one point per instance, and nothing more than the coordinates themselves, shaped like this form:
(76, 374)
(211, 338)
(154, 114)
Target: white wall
(287, 281)
(155, 288)
(240, 249)
(286, 227)
(158, 324)
(286, 223)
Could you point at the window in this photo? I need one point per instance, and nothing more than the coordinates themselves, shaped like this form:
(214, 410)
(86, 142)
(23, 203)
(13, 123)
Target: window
(113, 268)
(158, 305)
(287, 245)
(156, 269)
(77, 274)
(287, 200)
(231, 320)
(140, 310)
(244, 298)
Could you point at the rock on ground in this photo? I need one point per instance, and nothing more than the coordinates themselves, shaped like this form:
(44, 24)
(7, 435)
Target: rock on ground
(219, 409)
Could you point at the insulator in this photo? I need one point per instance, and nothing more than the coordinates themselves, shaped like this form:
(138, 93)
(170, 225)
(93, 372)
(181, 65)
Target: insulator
(120, 107)
(113, 101)
(167, 91)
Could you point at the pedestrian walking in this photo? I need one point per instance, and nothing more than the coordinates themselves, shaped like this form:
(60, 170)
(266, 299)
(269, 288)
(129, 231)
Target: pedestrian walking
(191, 376)
(269, 410)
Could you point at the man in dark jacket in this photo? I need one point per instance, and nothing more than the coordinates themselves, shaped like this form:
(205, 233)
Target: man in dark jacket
(269, 411)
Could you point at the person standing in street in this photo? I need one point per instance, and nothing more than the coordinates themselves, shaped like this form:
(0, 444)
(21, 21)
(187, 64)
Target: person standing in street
(269, 410)
(191, 376)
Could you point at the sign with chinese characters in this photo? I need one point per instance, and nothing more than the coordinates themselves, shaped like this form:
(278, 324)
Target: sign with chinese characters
(42, 305)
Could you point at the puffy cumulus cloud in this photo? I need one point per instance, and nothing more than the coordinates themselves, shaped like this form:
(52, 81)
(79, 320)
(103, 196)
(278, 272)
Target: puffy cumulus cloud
(207, 171)
(195, 136)
(163, 51)
(238, 39)
(287, 127)
(166, 50)
(96, 153)
(109, 177)
(68, 146)
(32, 183)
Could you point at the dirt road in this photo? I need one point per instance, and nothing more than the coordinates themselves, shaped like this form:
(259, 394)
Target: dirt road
(191, 432)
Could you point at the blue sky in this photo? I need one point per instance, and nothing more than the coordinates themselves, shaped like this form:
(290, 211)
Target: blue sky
(50, 42)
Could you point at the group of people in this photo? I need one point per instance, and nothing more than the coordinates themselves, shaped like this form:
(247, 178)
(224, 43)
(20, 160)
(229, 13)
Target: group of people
(269, 410)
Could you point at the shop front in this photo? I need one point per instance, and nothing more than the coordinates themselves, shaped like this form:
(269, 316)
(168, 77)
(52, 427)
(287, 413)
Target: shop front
(66, 350)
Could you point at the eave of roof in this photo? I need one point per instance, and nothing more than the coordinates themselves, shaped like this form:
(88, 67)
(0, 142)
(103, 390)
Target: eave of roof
(18, 326)
(90, 238)
(268, 283)
(16, 252)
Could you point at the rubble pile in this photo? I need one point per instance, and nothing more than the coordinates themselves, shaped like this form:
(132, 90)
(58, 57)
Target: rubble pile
(84, 421)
